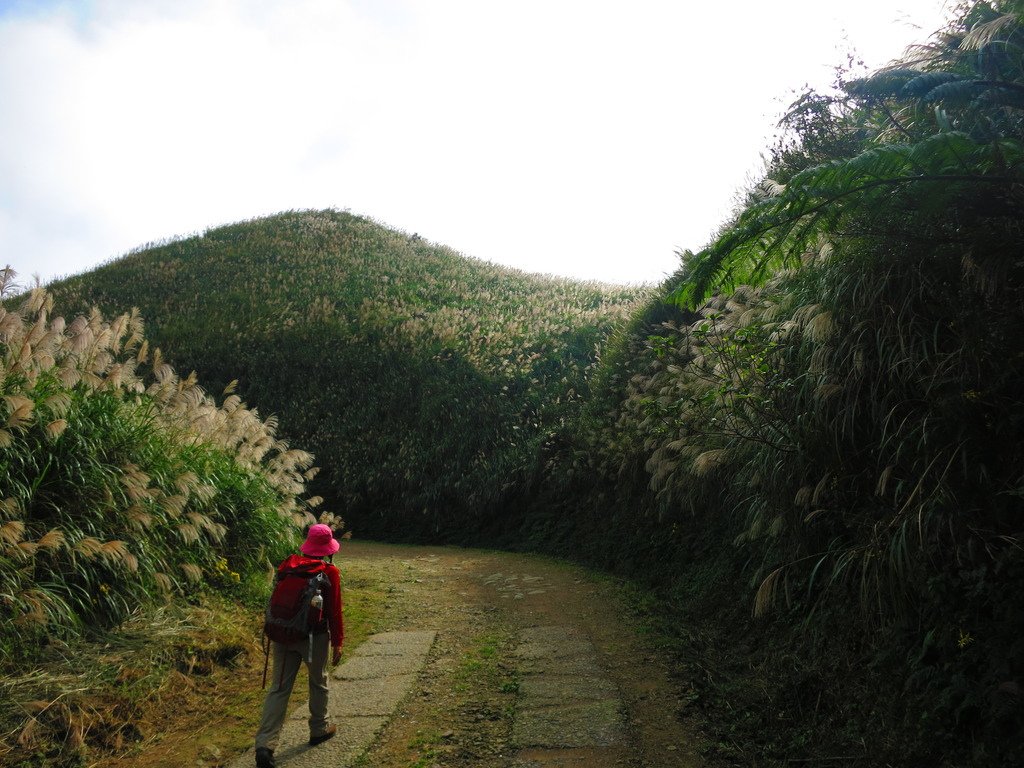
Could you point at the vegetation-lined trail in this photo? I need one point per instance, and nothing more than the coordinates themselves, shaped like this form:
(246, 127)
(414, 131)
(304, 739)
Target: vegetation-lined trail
(807, 443)
(469, 705)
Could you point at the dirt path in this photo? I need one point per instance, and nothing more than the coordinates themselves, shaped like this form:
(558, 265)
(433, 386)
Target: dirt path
(534, 663)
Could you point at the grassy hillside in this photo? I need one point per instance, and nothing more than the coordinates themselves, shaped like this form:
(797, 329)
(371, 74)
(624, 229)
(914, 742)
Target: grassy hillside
(422, 380)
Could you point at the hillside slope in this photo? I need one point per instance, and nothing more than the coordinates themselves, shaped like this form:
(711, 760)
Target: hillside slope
(421, 379)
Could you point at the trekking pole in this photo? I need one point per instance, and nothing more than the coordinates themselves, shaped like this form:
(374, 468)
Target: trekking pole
(266, 660)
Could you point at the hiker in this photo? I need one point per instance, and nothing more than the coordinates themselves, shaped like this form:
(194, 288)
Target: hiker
(325, 631)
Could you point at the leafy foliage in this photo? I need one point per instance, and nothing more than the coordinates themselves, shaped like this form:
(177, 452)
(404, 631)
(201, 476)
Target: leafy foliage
(942, 126)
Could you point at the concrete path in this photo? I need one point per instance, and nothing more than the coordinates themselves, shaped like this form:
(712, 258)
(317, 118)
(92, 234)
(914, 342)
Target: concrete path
(568, 709)
(365, 690)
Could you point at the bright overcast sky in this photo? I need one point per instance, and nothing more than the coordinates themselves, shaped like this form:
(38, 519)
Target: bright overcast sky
(576, 137)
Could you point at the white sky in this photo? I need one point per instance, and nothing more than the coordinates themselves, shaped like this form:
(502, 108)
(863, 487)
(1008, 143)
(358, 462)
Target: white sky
(576, 137)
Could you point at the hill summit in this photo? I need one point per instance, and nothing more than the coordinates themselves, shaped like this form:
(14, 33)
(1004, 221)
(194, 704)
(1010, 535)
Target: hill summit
(423, 380)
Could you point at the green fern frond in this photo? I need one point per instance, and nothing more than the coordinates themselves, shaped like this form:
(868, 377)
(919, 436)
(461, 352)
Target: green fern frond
(925, 83)
(1000, 96)
(885, 84)
(954, 92)
(773, 232)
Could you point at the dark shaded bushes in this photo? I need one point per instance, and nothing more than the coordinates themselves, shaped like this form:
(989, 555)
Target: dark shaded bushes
(834, 444)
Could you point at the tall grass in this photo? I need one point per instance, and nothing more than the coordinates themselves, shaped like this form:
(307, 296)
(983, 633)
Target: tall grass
(121, 483)
(857, 407)
(422, 380)
(810, 436)
(834, 386)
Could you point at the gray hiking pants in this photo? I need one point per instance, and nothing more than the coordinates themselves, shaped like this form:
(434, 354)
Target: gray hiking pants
(287, 660)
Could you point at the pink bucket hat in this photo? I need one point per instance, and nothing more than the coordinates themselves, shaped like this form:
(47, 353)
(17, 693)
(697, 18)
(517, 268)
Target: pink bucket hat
(319, 541)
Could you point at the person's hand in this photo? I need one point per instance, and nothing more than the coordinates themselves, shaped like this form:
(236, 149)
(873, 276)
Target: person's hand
(336, 656)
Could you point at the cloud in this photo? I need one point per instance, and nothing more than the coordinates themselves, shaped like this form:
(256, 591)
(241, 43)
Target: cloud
(575, 137)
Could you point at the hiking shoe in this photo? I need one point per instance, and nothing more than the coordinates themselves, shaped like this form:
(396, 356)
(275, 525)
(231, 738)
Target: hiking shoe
(265, 758)
(314, 740)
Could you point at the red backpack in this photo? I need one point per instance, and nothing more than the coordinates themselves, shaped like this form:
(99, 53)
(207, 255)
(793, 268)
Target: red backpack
(296, 605)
